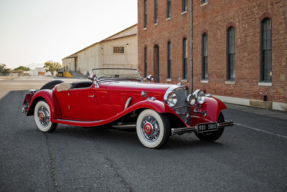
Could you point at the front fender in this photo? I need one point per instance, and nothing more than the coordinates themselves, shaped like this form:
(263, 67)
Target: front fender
(155, 105)
(213, 107)
(50, 98)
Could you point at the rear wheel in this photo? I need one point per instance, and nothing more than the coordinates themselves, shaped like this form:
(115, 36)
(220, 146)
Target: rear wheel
(212, 135)
(153, 129)
(42, 117)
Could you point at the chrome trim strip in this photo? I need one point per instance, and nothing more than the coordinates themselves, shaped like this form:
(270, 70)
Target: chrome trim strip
(179, 107)
(128, 102)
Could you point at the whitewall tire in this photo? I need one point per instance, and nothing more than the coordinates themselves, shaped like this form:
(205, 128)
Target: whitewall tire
(153, 129)
(42, 115)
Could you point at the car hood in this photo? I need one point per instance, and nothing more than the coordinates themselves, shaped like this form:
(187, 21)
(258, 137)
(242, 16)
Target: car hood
(120, 91)
(137, 86)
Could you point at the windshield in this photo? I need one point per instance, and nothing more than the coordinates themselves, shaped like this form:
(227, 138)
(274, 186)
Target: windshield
(117, 74)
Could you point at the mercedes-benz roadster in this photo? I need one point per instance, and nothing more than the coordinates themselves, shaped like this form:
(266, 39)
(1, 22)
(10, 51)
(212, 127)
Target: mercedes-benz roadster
(118, 98)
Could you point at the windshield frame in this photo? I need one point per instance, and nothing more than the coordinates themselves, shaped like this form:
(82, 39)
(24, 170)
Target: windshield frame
(118, 79)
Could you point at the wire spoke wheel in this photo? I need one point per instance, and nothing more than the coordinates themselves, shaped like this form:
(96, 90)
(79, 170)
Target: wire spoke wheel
(42, 117)
(150, 128)
(153, 129)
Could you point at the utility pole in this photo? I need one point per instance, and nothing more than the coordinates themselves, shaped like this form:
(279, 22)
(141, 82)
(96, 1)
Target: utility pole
(191, 47)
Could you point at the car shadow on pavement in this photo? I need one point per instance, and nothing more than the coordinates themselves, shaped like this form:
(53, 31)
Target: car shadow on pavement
(124, 138)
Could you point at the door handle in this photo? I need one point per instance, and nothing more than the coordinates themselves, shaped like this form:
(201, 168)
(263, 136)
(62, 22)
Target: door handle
(93, 96)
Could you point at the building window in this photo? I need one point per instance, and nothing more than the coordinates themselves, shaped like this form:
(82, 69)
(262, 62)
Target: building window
(145, 62)
(169, 60)
(184, 5)
(168, 8)
(204, 56)
(155, 12)
(266, 50)
(145, 14)
(119, 50)
(231, 54)
(204, 1)
(156, 64)
(184, 59)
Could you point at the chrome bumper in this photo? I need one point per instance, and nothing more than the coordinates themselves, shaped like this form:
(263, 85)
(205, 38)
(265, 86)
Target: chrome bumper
(179, 131)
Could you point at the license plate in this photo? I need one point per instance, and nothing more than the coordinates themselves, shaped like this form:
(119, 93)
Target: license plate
(206, 127)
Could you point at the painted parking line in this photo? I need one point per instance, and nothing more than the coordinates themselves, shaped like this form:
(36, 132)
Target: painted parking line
(260, 130)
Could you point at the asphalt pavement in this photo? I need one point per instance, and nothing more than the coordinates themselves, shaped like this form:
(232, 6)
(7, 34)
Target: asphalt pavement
(250, 156)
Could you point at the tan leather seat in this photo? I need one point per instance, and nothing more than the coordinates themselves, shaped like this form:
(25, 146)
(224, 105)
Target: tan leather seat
(64, 87)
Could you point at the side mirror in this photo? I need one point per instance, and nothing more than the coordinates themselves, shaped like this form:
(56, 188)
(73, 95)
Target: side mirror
(149, 78)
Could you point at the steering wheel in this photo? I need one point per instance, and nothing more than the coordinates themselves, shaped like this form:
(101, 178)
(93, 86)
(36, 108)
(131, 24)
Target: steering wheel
(102, 76)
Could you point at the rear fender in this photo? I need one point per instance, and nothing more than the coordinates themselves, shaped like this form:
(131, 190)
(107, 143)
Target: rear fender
(52, 101)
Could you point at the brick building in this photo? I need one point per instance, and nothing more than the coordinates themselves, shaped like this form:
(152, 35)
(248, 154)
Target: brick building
(238, 52)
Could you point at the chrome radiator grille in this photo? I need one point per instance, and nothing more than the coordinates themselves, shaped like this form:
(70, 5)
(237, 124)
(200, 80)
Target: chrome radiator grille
(181, 107)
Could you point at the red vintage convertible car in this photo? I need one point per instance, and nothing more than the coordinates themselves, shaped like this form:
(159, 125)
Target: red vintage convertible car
(118, 98)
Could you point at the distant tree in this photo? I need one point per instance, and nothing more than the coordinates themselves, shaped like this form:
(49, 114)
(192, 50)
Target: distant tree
(52, 66)
(22, 68)
(2, 67)
(6, 70)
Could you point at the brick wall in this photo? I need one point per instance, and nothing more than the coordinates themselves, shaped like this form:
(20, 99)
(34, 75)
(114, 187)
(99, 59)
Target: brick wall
(215, 18)
(174, 30)
(246, 17)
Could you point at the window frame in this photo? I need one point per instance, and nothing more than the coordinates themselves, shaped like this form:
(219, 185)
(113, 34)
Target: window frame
(204, 1)
(118, 49)
(145, 62)
(145, 13)
(264, 41)
(168, 8)
(204, 56)
(184, 58)
(155, 11)
(169, 60)
(184, 5)
(231, 54)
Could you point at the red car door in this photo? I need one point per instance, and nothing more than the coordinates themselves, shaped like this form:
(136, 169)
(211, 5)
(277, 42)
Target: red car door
(83, 104)
(64, 101)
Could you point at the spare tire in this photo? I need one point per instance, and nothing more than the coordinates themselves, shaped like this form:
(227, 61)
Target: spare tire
(51, 84)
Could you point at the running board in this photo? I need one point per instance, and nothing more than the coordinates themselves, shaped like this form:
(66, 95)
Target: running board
(124, 126)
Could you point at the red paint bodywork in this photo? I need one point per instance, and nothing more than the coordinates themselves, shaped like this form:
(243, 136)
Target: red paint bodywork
(50, 98)
(95, 106)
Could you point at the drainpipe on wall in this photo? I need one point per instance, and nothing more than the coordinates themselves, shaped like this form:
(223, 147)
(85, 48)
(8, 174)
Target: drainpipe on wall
(191, 47)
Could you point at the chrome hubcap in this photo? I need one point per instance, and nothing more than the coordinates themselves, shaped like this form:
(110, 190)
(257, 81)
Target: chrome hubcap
(150, 128)
(44, 116)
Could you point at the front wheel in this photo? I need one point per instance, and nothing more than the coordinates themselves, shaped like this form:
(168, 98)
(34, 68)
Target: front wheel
(212, 135)
(153, 129)
(42, 117)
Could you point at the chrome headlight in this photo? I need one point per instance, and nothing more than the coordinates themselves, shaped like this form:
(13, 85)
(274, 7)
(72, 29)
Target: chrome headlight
(200, 96)
(190, 99)
(171, 99)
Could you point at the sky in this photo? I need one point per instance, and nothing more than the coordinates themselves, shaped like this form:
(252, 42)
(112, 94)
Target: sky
(35, 31)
